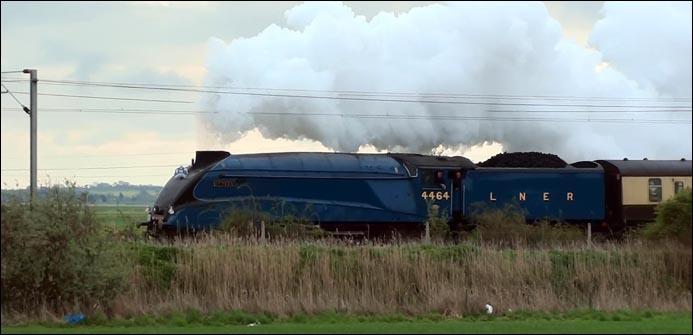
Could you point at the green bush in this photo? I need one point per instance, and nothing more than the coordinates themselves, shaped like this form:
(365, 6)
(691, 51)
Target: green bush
(158, 265)
(281, 221)
(241, 221)
(673, 219)
(501, 225)
(437, 222)
(507, 226)
(56, 255)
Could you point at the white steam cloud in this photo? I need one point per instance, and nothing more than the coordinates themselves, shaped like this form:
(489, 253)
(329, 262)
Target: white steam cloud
(649, 42)
(461, 48)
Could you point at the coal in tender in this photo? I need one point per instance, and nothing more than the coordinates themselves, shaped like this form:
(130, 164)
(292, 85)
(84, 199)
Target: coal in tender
(524, 159)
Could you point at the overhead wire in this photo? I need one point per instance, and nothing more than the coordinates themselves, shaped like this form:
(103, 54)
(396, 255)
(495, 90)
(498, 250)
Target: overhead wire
(358, 98)
(98, 168)
(356, 92)
(24, 108)
(109, 98)
(427, 98)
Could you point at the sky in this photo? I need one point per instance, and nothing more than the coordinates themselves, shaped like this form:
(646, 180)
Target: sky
(637, 54)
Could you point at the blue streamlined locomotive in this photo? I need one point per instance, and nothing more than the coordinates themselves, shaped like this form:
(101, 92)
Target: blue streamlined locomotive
(379, 193)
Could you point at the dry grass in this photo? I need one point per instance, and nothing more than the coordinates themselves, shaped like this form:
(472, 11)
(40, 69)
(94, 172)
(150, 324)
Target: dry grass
(286, 278)
(56, 260)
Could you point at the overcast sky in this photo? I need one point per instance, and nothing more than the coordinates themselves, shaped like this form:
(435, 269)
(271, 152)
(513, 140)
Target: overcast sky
(181, 43)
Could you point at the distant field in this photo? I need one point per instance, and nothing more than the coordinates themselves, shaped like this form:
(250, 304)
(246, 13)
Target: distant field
(120, 215)
(669, 326)
(126, 193)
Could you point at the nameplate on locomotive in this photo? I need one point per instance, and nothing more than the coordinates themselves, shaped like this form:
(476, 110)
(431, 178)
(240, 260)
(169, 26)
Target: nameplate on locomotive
(226, 183)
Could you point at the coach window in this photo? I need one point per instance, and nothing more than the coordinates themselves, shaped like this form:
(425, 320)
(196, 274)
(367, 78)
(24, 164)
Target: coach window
(678, 186)
(655, 185)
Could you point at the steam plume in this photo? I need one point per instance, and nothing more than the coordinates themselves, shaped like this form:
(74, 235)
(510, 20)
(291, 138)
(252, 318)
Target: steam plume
(461, 48)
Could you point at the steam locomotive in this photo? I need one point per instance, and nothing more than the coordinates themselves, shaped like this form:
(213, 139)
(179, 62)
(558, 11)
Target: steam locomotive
(374, 194)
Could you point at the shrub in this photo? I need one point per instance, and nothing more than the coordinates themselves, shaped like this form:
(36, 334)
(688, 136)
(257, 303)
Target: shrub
(241, 222)
(437, 222)
(673, 219)
(281, 221)
(157, 265)
(507, 226)
(55, 254)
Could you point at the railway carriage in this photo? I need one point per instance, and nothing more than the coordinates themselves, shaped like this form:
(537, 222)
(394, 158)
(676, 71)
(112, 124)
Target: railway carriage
(634, 188)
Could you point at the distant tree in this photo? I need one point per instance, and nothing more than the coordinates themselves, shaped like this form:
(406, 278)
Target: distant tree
(143, 196)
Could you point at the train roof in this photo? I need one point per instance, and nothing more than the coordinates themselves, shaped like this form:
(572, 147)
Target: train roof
(340, 162)
(312, 161)
(649, 167)
(417, 160)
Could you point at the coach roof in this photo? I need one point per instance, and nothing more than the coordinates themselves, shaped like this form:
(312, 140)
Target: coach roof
(650, 167)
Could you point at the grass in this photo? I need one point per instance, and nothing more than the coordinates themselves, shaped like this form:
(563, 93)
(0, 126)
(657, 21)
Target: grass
(221, 273)
(58, 259)
(675, 323)
(286, 278)
(119, 215)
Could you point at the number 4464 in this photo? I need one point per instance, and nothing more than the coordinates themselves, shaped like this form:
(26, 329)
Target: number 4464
(435, 195)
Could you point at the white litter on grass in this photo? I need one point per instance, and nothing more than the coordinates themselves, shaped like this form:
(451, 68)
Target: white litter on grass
(489, 309)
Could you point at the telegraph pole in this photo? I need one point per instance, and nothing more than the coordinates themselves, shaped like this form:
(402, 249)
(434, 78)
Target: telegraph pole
(33, 115)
